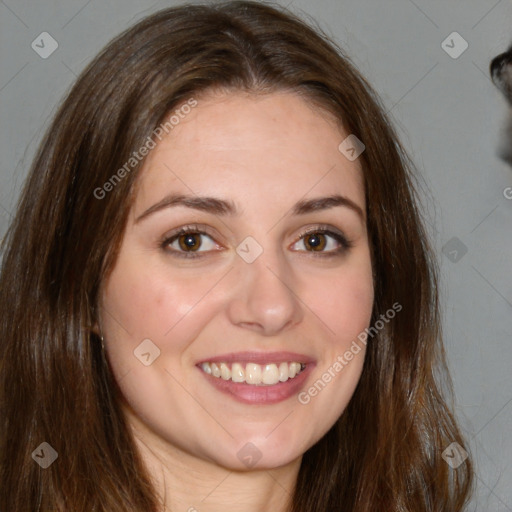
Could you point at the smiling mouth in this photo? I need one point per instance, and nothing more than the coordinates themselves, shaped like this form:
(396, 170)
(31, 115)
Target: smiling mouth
(252, 373)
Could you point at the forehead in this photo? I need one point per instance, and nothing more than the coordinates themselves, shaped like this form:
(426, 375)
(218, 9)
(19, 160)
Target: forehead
(273, 145)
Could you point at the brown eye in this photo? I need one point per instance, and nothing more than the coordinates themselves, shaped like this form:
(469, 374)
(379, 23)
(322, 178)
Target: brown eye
(315, 241)
(189, 241)
(322, 241)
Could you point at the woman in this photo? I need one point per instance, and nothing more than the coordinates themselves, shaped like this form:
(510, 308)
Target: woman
(217, 292)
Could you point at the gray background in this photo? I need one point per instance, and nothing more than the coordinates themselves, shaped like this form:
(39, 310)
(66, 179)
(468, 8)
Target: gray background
(448, 114)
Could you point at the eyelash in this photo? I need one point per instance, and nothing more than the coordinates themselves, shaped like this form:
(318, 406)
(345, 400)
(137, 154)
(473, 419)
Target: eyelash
(195, 229)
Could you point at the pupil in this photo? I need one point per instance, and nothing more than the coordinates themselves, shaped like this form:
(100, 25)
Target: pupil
(314, 241)
(190, 242)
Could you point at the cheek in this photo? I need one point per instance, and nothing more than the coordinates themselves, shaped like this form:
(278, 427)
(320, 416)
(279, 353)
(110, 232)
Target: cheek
(344, 305)
(344, 302)
(143, 301)
(146, 301)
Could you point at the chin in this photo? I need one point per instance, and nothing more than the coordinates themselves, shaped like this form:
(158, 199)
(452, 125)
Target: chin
(258, 453)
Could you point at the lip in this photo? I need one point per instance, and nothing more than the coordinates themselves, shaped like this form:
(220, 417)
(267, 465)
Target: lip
(254, 394)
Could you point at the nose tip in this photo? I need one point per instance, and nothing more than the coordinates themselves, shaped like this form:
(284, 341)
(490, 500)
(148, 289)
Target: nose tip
(263, 301)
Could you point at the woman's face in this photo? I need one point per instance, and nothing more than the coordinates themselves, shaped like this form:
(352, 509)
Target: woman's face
(251, 175)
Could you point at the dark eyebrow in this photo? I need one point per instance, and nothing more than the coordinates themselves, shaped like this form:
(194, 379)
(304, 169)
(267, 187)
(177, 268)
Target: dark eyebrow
(205, 204)
(324, 203)
(217, 206)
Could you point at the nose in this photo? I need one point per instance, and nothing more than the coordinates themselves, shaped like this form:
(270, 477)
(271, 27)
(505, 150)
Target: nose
(263, 298)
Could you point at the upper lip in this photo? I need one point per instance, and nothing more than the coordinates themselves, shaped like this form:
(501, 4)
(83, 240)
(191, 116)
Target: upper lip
(259, 358)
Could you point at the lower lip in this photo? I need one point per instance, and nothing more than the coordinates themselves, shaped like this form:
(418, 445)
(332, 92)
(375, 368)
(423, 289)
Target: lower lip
(265, 394)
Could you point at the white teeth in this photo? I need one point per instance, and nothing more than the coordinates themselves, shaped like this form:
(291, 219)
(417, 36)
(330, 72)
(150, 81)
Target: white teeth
(237, 372)
(270, 374)
(224, 371)
(293, 370)
(215, 370)
(283, 372)
(253, 373)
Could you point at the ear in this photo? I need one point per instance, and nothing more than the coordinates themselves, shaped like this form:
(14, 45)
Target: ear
(501, 73)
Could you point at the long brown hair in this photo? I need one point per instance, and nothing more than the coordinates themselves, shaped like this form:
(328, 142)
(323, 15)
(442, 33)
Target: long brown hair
(384, 452)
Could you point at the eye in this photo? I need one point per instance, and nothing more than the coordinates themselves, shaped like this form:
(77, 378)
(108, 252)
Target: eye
(323, 241)
(188, 241)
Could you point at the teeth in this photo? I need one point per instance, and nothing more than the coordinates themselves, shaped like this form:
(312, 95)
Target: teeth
(215, 370)
(270, 374)
(225, 372)
(237, 372)
(283, 372)
(255, 374)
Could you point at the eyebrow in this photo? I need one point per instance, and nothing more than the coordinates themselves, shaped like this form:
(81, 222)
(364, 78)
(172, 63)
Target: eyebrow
(218, 206)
